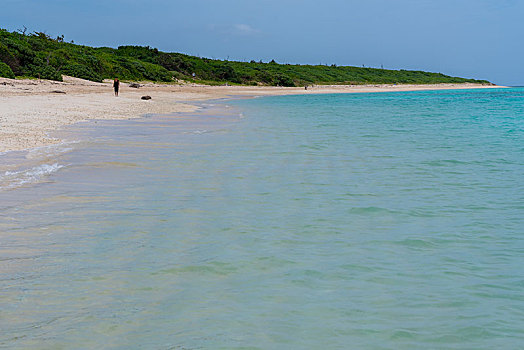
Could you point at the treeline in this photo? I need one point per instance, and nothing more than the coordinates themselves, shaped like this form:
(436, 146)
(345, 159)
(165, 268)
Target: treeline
(39, 55)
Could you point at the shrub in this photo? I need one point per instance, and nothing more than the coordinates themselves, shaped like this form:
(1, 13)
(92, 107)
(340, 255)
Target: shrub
(8, 58)
(5, 71)
(81, 71)
(21, 50)
(283, 80)
(174, 63)
(155, 72)
(44, 72)
(225, 72)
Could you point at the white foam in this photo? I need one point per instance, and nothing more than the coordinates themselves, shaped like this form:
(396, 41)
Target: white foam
(51, 150)
(197, 132)
(14, 179)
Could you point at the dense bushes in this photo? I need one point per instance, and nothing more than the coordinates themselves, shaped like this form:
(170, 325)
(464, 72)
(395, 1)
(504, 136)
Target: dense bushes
(39, 55)
(7, 57)
(81, 71)
(43, 72)
(5, 71)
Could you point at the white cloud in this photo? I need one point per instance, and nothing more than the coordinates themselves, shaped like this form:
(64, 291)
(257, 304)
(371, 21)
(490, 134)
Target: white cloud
(245, 29)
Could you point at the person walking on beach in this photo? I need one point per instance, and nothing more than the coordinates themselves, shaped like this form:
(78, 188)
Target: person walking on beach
(116, 86)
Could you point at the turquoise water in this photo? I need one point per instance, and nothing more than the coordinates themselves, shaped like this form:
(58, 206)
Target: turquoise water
(362, 221)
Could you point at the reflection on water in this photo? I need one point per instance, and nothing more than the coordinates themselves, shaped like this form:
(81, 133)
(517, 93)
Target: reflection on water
(379, 221)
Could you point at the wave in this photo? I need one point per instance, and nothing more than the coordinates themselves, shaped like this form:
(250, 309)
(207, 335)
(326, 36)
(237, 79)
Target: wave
(198, 132)
(14, 179)
(51, 150)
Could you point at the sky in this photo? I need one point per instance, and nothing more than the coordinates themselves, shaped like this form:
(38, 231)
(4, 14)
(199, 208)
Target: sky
(479, 39)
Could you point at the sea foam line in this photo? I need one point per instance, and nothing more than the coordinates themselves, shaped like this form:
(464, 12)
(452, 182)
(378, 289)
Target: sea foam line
(51, 150)
(14, 179)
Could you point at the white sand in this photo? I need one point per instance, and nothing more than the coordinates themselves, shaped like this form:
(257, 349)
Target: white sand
(30, 110)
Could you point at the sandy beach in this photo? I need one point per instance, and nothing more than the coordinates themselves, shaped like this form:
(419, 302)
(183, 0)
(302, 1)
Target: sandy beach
(30, 110)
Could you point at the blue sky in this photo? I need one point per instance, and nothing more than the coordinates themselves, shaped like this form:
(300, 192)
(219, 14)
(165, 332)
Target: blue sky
(470, 38)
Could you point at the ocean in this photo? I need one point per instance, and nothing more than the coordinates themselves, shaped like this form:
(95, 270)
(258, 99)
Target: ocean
(350, 221)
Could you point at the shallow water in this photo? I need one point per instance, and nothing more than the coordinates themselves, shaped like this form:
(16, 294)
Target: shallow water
(370, 221)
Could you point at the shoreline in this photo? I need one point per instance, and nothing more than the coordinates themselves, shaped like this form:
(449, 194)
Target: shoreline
(31, 109)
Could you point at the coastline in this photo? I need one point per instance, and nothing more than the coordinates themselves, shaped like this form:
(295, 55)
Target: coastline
(282, 200)
(31, 109)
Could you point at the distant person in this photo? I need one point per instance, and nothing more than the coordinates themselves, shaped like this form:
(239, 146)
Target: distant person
(116, 86)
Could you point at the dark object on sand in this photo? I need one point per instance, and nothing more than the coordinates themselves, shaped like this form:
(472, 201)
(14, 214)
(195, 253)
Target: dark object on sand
(57, 92)
(134, 85)
(146, 97)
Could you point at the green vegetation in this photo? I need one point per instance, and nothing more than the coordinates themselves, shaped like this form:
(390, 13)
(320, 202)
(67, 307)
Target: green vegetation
(39, 55)
(5, 71)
